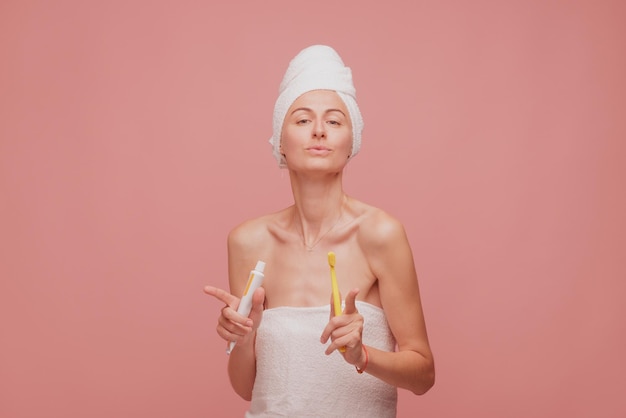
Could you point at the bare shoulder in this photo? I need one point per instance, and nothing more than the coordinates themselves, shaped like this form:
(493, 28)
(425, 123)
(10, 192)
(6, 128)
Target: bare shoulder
(248, 242)
(384, 242)
(252, 235)
(247, 232)
(378, 229)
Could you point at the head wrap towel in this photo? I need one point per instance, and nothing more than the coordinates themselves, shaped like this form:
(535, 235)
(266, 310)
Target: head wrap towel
(317, 67)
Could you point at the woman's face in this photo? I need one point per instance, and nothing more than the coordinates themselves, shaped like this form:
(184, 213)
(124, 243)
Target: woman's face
(317, 132)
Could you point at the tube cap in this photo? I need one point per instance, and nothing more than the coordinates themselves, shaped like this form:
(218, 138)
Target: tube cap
(260, 265)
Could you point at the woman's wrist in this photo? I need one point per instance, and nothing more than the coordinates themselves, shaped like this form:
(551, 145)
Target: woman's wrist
(248, 341)
(361, 365)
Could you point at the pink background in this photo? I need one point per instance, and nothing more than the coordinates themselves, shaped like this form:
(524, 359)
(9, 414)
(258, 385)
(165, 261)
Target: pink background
(133, 137)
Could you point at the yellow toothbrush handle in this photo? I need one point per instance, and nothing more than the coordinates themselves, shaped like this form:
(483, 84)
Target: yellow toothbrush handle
(336, 299)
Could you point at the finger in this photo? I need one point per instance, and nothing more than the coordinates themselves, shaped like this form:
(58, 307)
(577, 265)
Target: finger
(350, 305)
(340, 343)
(328, 329)
(258, 298)
(336, 344)
(221, 295)
(347, 340)
(231, 315)
(258, 301)
(335, 324)
(351, 353)
(231, 330)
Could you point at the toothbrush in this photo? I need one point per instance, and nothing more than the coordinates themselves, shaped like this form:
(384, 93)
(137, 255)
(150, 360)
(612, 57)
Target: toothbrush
(335, 286)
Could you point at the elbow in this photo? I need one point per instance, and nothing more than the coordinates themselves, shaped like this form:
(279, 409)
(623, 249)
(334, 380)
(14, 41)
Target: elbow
(425, 381)
(243, 393)
(425, 385)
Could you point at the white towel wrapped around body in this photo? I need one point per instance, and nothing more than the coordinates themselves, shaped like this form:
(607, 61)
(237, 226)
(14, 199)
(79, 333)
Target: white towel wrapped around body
(294, 377)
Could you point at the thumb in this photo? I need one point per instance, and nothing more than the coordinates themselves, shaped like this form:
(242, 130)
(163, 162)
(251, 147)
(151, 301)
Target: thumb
(350, 305)
(258, 300)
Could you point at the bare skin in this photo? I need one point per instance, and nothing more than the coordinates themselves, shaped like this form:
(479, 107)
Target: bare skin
(374, 259)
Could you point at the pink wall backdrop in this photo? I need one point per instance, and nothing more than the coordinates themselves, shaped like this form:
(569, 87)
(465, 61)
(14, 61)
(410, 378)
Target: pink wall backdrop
(133, 137)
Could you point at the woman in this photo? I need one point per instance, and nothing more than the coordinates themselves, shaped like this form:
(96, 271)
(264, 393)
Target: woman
(293, 356)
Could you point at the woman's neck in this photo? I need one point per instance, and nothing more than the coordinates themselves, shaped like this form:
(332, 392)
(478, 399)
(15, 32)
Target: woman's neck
(319, 207)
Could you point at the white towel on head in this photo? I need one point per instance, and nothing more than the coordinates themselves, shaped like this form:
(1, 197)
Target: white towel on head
(317, 67)
(294, 377)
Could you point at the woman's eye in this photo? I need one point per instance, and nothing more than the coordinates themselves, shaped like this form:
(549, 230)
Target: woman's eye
(302, 121)
(334, 122)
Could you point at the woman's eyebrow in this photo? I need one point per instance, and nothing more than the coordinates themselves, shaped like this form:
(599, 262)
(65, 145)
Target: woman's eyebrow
(335, 110)
(306, 109)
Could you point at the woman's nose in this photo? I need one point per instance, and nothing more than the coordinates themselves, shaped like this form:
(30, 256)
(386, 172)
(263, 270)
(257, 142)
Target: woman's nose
(319, 129)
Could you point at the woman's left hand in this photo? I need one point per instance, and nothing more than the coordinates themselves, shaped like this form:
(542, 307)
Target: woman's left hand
(345, 330)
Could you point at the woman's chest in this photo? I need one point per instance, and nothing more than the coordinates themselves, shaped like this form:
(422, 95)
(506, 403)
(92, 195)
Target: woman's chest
(299, 277)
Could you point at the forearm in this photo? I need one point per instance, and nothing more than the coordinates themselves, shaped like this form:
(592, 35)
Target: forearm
(405, 369)
(242, 368)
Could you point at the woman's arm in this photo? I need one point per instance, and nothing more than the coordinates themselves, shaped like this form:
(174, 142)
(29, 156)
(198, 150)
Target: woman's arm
(391, 260)
(241, 259)
(232, 326)
(388, 252)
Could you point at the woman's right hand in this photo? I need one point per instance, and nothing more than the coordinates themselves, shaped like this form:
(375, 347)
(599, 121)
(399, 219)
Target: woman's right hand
(232, 326)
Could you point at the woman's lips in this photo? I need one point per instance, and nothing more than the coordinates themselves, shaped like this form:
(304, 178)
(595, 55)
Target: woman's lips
(318, 150)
